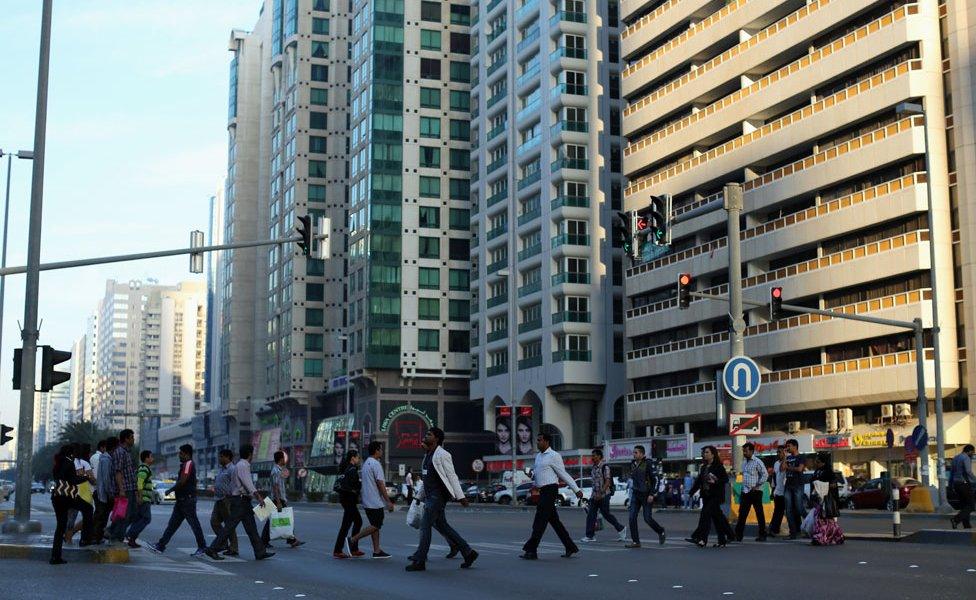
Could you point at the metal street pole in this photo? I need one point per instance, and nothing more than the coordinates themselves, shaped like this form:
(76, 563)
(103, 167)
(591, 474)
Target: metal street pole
(737, 325)
(923, 408)
(22, 522)
(6, 221)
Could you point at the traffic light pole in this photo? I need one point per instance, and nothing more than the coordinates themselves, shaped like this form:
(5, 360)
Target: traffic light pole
(737, 324)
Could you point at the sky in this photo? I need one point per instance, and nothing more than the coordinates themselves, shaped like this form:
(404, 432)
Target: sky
(136, 146)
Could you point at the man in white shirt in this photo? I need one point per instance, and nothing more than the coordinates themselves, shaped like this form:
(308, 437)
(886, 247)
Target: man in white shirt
(95, 457)
(547, 472)
(374, 499)
(779, 489)
(754, 476)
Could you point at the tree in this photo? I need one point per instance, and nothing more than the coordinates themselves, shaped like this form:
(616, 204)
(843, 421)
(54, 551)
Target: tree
(43, 462)
(83, 432)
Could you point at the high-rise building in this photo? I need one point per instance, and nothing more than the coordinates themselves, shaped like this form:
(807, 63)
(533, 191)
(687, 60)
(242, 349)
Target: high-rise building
(52, 411)
(547, 330)
(809, 106)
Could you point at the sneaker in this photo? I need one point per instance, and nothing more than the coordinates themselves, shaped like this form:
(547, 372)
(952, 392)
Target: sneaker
(633, 545)
(340, 555)
(661, 538)
(353, 547)
(264, 556)
(203, 552)
(230, 552)
(453, 553)
(622, 537)
(296, 543)
(155, 548)
(213, 554)
(357, 554)
(381, 555)
(469, 559)
(415, 567)
(587, 540)
(133, 544)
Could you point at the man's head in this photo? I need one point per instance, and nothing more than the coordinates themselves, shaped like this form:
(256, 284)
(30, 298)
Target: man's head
(639, 452)
(225, 457)
(434, 438)
(543, 441)
(247, 451)
(279, 458)
(375, 449)
(792, 446)
(597, 455)
(111, 444)
(968, 449)
(687, 473)
(146, 457)
(127, 438)
(186, 452)
(780, 452)
(102, 444)
(748, 449)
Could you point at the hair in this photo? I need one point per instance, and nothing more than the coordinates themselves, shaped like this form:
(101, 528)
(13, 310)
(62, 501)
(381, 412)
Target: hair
(749, 445)
(65, 453)
(373, 447)
(438, 435)
(247, 450)
(279, 456)
(347, 460)
(503, 423)
(111, 444)
(793, 442)
(968, 448)
(713, 450)
(102, 444)
(144, 455)
(186, 449)
(781, 447)
(545, 437)
(126, 434)
(641, 448)
(523, 420)
(227, 453)
(598, 452)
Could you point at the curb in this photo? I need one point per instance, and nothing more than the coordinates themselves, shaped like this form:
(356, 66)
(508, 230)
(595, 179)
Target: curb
(41, 552)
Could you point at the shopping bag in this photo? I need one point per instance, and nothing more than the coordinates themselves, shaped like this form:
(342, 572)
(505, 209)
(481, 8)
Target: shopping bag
(808, 522)
(415, 514)
(263, 511)
(283, 524)
(119, 509)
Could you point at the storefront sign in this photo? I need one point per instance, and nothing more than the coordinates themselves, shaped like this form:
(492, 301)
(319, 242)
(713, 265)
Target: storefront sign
(872, 439)
(831, 442)
(764, 444)
(678, 448)
(405, 409)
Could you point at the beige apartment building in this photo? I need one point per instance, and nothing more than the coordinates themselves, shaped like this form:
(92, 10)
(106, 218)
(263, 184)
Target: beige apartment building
(799, 101)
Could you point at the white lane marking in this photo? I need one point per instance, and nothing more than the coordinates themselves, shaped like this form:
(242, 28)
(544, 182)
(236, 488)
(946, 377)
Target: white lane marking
(728, 593)
(278, 588)
(258, 582)
(971, 570)
(912, 566)
(863, 562)
(299, 595)
(631, 581)
(593, 575)
(677, 587)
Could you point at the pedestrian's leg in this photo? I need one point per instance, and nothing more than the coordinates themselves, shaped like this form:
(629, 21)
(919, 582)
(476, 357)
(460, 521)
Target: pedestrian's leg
(776, 522)
(634, 510)
(591, 511)
(191, 518)
(791, 506)
(175, 520)
(246, 517)
(216, 519)
(60, 505)
(745, 501)
(227, 511)
(604, 506)
(719, 520)
(340, 542)
(556, 524)
(87, 520)
(143, 517)
(450, 534)
(539, 524)
(426, 523)
(649, 519)
(757, 501)
(266, 532)
(704, 523)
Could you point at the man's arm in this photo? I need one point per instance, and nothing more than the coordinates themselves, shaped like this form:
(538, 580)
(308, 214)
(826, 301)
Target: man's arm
(119, 487)
(763, 474)
(381, 486)
(560, 470)
(184, 476)
(447, 465)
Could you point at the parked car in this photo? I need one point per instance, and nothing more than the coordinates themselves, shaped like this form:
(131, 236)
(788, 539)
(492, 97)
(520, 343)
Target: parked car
(395, 492)
(160, 495)
(504, 496)
(566, 496)
(619, 497)
(873, 495)
(37, 487)
(953, 497)
(487, 493)
(843, 489)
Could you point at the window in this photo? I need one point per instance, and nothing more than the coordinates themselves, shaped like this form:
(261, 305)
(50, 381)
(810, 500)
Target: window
(460, 159)
(428, 340)
(314, 317)
(320, 26)
(429, 278)
(460, 100)
(320, 72)
(429, 309)
(314, 292)
(313, 367)
(459, 280)
(430, 68)
(319, 96)
(460, 130)
(318, 120)
(430, 247)
(460, 43)
(459, 249)
(460, 14)
(460, 219)
(430, 158)
(460, 189)
(430, 39)
(430, 11)
(430, 216)
(318, 144)
(316, 193)
(430, 127)
(322, 5)
(430, 187)
(458, 341)
(320, 49)
(459, 310)
(430, 98)
(313, 341)
(316, 168)
(460, 72)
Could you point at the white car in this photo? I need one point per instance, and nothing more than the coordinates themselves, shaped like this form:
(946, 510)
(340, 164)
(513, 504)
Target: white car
(159, 493)
(619, 497)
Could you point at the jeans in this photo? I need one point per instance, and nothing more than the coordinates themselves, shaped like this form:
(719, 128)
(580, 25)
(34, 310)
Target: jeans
(794, 508)
(639, 501)
(435, 518)
(686, 500)
(749, 500)
(61, 505)
(779, 508)
(240, 512)
(218, 517)
(545, 515)
(601, 506)
(142, 519)
(350, 519)
(116, 530)
(965, 492)
(184, 509)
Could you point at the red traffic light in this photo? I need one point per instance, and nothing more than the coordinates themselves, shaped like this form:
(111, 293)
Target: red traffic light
(641, 223)
(684, 279)
(685, 283)
(776, 292)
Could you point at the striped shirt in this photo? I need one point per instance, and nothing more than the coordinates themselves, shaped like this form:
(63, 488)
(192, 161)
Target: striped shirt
(754, 474)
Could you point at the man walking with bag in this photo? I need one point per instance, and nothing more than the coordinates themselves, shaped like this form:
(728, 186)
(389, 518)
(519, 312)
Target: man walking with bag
(548, 470)
(754, 476)
(278, 497)
(644, 484)
(125, 483)
(185, 508)
(240, 493)
(603, 488)
(440, 484)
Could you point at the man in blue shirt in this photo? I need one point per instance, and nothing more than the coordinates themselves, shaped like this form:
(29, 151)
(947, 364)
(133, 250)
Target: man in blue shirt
(961, 480)
(792, 470)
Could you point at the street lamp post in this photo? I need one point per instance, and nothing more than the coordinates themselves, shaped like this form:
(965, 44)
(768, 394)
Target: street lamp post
(24, 154)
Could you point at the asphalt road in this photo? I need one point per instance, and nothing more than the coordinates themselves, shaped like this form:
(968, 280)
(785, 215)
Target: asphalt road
(602, 570)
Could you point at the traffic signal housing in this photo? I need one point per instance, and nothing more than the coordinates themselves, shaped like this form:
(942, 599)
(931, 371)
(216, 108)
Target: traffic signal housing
(638, 229)
(5, 434)
(775, 303)
(304, 228)
(685, 284)
(18, 357)
(660, 220)
(49, 377)
(621, 232)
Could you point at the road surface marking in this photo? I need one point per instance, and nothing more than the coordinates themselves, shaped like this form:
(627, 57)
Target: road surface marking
(728, 593)
(677, 587)
(593, 575)
(258, 582)
(912, 566)
(278, 588)
(631, 581)
(863, 562)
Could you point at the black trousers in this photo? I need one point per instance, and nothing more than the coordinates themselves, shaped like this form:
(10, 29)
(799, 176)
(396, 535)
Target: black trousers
(546, 515)
(350, 519)
(102, 510)
(219, 516)
(240, 513)
(965, 492)
(750, 500)
(711, 514)
(779, 509)
(61, 505)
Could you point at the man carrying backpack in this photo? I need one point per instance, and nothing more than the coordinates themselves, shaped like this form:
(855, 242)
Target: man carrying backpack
(603, 488)
(644, 483)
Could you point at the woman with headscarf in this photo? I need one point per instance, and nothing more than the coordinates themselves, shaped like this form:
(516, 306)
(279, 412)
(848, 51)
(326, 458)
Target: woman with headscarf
(826, 530)
(711, 482)
(64, 497)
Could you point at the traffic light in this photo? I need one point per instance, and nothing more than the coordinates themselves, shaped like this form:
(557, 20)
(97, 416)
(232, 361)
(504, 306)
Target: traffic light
(685, 284)
(18, 357)
(621, 232)
(304, 227)
(637, 229)
(5, 434)
(660, 220)
(775, 303)
(49, 377)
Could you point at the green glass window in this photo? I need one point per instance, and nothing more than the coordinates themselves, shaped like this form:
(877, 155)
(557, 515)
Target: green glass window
(428, 340)
(459, 280)
(389, 6)
(319, 96)
(460, 219)
(430, 98)
(430, 187)
(430, 11)
(384, 310)
(320, 49)
(313, 367)
(386, 183)
(430, 127)
(460, 100)
(459, 310)
(386, 33)
(460, 71)
(430, 216)
(460, 130)
(316, 193)
(318, 120)
(384, 274)
(316, 168)
(429, 309)
(460, 189)
(430, 158)
(314, 341)
(318, 144)
(430, 278)
(320, 26)
(384, 122)
(320, 72)
(314, 317)
(430, 39)
(314, 292)
(430, 247)
(314, 267)
(460, 159)
(320, 5)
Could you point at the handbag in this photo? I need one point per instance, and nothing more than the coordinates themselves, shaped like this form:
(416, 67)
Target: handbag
(120, 508)
(809, 521)
(283, 524)
(415, 514)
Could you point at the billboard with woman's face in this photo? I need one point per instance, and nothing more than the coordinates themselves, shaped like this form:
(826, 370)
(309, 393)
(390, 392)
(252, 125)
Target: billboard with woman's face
(522, 438)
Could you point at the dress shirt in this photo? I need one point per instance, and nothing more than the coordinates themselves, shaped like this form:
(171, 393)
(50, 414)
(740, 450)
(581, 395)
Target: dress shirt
(549, 470)
(243, 472)
(779, 488)
(754, 474)
(962, 468)
(225, 484)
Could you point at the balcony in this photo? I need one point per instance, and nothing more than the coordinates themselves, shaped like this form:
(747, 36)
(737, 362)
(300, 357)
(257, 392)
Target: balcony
(570, 239)
(570, 277)
(570, 316)
(565, 200)
(497, 300)
(498, 162)
(564, 52)
(497, 266)
(530, 326)
(529, 41)
(529, 288)
(494, 336)
(529, 215)
(496, 98)
(532, 108)
(498, 64)
(561, 126)
(492, 5)
(570, 17)
(526, 11)
(527, 77)
(571, 356)
(497, 231)
(497, 370)
(569, 163)
(528, 180)
(497, 33)
(529, 252)
(528, 145)
(570, 89)
(496, 198)
(495, 131)
(528, 363)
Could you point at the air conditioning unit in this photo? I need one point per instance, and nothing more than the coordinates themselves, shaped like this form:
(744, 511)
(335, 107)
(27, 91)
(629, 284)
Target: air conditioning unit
(903, 410)
(831, 420)
(660, 430)
(887, 411)
(793, 427)
(845, 419)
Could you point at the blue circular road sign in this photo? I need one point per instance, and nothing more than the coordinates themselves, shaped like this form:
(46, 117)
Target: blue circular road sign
(741, 377)
(921, 437)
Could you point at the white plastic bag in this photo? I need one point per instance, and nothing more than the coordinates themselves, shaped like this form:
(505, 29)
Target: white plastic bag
(808, 522)
(283, 524)
(263, 511)
(415, 514)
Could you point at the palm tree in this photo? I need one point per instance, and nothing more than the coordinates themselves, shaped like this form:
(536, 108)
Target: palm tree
(82, 432)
